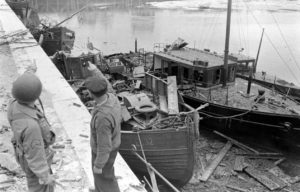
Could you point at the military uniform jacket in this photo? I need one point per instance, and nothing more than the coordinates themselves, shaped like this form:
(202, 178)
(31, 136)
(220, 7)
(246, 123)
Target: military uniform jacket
(31, 138)
(105, 129)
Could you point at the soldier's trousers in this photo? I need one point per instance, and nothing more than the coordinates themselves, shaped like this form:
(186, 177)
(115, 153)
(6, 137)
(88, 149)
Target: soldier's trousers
(34, 185)
(106, 182)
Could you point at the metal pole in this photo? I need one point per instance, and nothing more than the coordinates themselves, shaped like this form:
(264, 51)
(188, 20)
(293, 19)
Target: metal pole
(227, 42)
(261, 38)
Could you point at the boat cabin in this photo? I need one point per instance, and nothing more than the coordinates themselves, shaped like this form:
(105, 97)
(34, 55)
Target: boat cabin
(56, 39)
(194, 66)
(244, 62)
(73, 65)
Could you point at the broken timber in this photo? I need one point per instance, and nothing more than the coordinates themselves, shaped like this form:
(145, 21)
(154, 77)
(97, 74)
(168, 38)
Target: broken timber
(235, 142)
(261, 156)
(236, 188)
(214, 164)
(239, 164)
(265, 178)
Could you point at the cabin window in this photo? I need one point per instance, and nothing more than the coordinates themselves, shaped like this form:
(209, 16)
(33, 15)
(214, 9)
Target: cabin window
(198, 76)
(185, 73)
(232, 74)
(165, 65)
(218, 76)
(174, 70)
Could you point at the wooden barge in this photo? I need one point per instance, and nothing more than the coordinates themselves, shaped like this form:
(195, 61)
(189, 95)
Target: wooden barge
(231, 108)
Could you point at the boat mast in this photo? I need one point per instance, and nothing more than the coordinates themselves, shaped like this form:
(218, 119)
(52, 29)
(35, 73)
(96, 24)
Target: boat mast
(227, 42)
(253, 69)
(261, 38)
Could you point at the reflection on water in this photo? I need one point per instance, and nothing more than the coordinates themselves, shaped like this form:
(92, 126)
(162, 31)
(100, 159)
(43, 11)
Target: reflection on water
(113, 25)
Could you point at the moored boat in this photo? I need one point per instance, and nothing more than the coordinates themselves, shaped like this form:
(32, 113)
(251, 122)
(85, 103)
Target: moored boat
(166, 135)
(167, 139)
(73, 64)
(235, 107)
(246, 63)
(53, 39)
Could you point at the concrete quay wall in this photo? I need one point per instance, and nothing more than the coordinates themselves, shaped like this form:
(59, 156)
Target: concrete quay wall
(58, 97)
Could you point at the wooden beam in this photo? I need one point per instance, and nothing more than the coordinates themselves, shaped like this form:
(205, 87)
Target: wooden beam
(260, 156)
(267, 179)
(214, 164)
(236, 188)
(237, 143)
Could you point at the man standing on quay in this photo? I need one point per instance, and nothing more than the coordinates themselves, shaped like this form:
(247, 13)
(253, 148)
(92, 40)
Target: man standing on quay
(31, 133)
(105, 134)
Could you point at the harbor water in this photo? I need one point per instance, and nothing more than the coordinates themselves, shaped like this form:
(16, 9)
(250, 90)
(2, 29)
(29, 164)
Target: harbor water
(113, 26)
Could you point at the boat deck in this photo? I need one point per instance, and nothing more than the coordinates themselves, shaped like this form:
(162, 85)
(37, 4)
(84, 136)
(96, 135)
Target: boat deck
(274, 102)
(272, 78)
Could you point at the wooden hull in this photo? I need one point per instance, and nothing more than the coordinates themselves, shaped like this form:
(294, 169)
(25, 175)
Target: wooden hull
(292, 91)
(283, 128)
(170, 151)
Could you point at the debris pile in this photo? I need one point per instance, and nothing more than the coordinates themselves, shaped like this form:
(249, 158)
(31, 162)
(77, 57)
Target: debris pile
(234, 166)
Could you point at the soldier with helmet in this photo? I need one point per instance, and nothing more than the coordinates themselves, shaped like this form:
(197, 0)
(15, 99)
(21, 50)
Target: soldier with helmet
(31, 133)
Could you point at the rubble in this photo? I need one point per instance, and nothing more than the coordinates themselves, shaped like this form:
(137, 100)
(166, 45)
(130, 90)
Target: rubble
(8, 162)
(237, 172)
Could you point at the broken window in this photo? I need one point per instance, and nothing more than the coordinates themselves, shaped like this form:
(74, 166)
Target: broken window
(185, 73)
(198, 76)
(218, 76)
(231, 74)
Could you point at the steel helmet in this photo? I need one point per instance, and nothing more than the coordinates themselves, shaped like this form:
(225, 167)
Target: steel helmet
(27, 88)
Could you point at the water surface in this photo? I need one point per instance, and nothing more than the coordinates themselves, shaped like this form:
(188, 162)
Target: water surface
(201, 23)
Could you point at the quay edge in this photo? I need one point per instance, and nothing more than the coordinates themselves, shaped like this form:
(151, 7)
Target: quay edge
(59, 99)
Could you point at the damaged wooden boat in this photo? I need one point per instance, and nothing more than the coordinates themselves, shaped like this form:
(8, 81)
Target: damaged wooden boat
(245, 64)
(163, 135)
(154, 126)
(235, 105)
(53, 39)
(73, 64)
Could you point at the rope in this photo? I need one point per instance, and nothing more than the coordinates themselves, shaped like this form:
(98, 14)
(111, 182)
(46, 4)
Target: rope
(225, 117)
(233, 116)
(285, 41)
(274, 47)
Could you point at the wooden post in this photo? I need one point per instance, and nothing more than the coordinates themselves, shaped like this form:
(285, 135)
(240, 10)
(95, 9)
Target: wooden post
(261, 38)
(135, 45)
(249, 81)
(227, 42)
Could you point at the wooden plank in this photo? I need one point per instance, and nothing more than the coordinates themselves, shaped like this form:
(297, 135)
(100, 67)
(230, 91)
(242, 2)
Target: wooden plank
(214, 164)
(237, 143)
(267, 179)
(239, 163)
(236, 188)
(259, 156)
(172, 95)
(163, 105)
